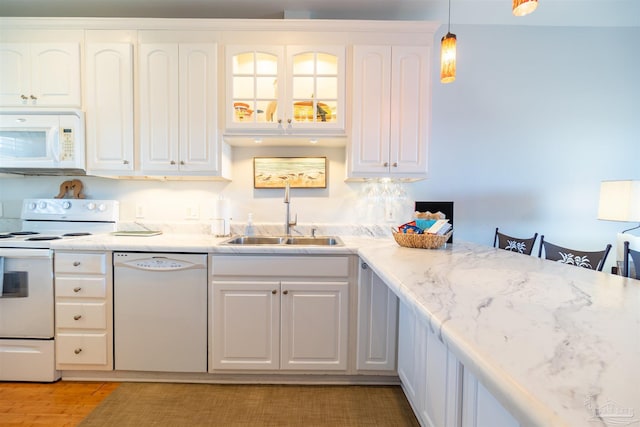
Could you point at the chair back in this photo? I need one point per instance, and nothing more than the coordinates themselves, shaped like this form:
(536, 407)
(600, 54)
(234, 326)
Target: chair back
(515, 244)
(593, 260)
(635, 258)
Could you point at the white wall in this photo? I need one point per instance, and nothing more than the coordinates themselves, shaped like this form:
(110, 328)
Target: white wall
(537, 117)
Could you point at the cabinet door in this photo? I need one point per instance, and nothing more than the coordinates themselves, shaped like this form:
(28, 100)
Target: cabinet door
(440, 406)
(198, 97)
(315, 88)
(255, 87)
(411, 350)
(369, 144)
(480, 407)
(314, 325)
(159, 108)
(55, 74)
(246, 325)
(109, 95)
(410, 104)
(15, 69)
(377, 323)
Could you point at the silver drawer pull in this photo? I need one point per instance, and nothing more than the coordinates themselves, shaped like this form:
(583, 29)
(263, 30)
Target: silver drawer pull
(77, 317)
(77, 351)
(76, 290)
(76, 263)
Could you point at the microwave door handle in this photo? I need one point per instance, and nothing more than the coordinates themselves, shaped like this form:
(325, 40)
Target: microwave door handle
(55, 144)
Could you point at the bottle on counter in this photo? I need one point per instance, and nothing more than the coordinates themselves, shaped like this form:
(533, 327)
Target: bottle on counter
(249, 231)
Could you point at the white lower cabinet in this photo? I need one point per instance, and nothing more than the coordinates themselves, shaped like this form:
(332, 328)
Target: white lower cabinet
(480, 408)
(377, 323)
(431, 375)
(279, 313)
(84, 306)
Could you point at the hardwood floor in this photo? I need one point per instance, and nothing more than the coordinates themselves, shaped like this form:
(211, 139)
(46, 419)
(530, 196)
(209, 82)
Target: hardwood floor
(60, 404)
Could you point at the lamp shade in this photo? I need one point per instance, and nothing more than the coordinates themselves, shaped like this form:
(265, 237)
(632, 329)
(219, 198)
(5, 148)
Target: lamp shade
(524, 7)
(620, 201)
(448, 58)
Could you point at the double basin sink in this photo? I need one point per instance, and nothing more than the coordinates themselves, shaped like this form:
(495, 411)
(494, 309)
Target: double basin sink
(285, 240)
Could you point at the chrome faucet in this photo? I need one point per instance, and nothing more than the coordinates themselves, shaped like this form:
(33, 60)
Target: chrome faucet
(287, 221)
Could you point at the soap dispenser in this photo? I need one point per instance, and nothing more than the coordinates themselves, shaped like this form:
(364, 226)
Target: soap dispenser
(249, 229)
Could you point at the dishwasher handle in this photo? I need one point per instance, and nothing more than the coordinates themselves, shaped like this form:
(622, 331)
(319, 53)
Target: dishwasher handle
(161, 263)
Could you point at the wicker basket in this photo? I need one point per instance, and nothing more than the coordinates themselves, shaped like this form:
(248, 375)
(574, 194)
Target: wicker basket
(423, 241)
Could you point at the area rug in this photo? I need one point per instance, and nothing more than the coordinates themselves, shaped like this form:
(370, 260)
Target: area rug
(169, 404)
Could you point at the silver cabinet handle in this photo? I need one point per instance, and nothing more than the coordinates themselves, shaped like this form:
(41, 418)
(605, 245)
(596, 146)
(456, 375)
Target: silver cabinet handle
(395, 164)
(76, 290)
(172, 162)
(385, 164)
(24, 97)
(34, 97)
(125, 162)
(182, 162)
(77, 350)
(76, 263)
(77, 317)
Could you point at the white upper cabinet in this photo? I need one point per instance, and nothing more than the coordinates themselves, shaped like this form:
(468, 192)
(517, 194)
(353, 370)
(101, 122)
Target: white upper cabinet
(285, 89)
(391, 112)
(40, 75)
(178, 114)
(109, 107)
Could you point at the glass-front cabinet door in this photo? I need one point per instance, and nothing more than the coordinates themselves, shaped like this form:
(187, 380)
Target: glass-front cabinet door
(285, 89)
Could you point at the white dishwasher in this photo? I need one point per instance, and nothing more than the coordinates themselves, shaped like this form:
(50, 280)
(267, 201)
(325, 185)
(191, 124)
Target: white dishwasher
(160, 312)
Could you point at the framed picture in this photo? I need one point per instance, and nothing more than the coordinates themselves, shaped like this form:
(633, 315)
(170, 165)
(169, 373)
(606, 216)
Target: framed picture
(300, 172)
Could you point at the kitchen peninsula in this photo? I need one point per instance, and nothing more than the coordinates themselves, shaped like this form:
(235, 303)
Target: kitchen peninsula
(554, 344)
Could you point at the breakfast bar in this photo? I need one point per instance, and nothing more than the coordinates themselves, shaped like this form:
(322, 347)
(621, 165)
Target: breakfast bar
(555, 344)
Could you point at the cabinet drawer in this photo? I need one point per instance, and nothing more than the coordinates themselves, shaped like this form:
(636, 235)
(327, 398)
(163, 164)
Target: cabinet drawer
(80, 263)
(279, 266)
(87, 287)
(81, 316)
(88, 349)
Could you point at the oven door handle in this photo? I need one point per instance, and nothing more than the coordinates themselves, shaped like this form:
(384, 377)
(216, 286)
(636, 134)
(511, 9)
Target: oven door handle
(25, 253)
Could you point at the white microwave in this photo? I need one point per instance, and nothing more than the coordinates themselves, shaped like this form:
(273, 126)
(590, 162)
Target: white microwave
(42, 143)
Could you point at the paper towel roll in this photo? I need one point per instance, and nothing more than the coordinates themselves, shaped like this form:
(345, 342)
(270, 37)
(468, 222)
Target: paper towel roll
(221, 225)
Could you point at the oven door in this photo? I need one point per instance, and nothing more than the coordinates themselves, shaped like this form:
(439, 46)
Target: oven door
(26, 293)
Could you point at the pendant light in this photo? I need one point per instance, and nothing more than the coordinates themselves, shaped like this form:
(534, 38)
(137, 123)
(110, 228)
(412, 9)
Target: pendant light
(524, 7)
(448, 54)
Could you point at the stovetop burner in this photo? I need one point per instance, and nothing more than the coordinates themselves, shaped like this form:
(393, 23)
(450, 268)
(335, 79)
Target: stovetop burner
(78, 234)
(6, 236)
(23, 233)
(42, 238)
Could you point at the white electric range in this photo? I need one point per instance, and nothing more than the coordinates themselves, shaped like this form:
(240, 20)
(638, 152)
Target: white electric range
(27, 346)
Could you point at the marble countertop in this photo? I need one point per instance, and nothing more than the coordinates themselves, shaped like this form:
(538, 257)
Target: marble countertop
(558, 345)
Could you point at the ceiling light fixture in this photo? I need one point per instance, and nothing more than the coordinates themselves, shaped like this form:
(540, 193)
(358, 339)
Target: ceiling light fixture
(448, 54)
(524, 7)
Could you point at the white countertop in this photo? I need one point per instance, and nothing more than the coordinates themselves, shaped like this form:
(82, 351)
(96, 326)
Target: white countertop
(552, 342)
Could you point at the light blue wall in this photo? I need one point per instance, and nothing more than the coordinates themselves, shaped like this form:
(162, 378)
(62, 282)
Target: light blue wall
(536, 118)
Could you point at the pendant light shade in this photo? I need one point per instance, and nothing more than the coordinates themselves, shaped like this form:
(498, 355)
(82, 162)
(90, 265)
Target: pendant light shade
(524, 7)
(448, 58)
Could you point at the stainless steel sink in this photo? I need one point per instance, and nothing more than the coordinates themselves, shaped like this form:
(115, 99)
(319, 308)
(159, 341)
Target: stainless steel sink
(283, 240)
(256, 240)
(315, 241)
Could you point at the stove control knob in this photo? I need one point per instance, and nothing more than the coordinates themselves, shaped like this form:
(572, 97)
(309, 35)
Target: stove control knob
(32, 206)
(102, 207)
(91, 206)
(66, 205)
(42, 205)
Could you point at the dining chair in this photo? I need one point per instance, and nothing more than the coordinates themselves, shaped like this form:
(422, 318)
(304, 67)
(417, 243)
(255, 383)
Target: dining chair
(635, 257)
(515, 244)
(593, 260)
